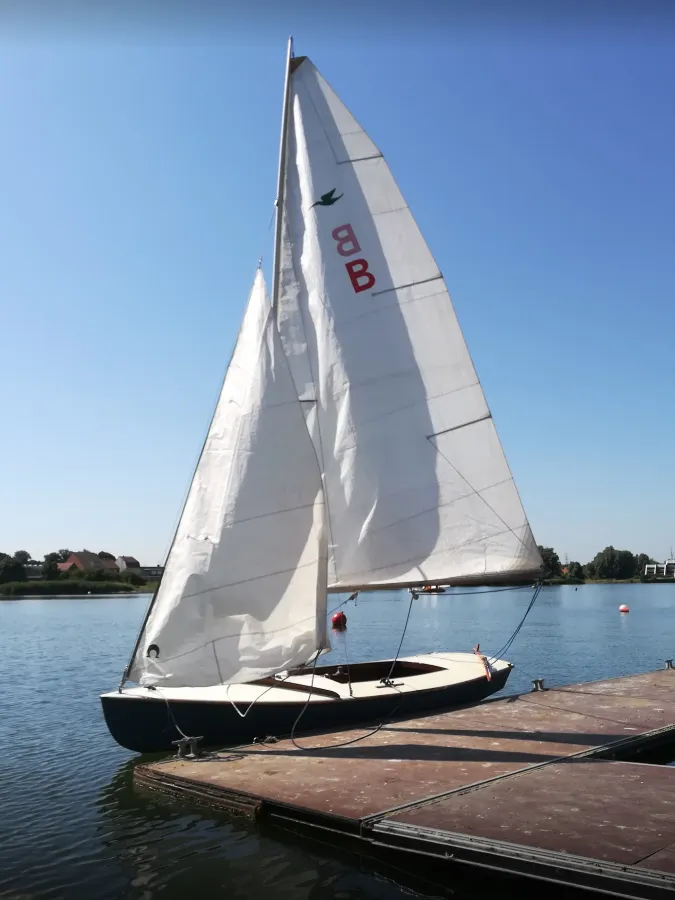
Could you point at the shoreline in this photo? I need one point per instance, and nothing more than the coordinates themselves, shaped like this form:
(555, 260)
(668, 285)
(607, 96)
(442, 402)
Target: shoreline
(93, 589)
(19, 590)
(559, 582)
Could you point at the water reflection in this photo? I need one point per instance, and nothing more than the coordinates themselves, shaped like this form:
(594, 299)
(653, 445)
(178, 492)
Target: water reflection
(168, 850)
(159, 845)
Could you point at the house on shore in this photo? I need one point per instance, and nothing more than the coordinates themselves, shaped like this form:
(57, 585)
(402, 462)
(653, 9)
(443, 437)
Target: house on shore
(128, 564)
(89, 563)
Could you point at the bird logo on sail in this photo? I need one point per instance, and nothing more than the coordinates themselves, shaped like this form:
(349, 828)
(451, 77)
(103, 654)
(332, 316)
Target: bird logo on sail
(327, 199)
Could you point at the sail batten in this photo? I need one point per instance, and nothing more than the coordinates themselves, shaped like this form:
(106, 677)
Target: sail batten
(411, 284)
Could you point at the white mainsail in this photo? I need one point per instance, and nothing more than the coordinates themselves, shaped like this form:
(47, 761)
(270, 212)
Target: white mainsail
(244, 591)
(416, 484)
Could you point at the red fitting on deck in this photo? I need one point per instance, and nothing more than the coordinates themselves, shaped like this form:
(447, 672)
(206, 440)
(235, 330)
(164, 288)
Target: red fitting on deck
(484, 660)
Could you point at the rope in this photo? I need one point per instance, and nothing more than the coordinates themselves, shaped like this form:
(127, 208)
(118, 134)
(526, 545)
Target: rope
(349, 674)
(500, 653)
(413, 596)
(232, 703)
(355, 740)
(253, 702)
(170, 712)
(387, 681)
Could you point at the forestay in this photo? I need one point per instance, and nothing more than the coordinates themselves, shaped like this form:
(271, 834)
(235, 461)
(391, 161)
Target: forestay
(417, 486)
(244, 591)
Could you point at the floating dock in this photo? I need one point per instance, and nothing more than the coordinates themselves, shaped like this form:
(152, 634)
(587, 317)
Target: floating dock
(532, 785)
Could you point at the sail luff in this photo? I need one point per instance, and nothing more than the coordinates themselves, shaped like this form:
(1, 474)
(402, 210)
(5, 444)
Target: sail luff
(281, 178)
(158, 586)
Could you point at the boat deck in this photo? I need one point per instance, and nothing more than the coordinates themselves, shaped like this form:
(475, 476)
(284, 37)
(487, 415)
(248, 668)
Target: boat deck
(449, 669)
(529, 784)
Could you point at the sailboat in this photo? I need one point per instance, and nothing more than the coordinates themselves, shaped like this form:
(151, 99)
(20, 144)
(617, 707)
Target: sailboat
(351, 449)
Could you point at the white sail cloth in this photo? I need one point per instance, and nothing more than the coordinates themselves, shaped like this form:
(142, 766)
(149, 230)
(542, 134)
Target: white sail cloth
(351, 447)
(244, 591)
(416, 484)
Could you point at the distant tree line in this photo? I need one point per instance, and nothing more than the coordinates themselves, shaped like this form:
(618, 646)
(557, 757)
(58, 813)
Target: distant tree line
(13, 568)
(607, 564)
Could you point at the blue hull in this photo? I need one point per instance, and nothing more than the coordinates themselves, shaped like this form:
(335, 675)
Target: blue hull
(146, 725)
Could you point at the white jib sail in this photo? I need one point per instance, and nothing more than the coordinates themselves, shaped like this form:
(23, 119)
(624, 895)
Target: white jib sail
(244, 591)
(416, 483)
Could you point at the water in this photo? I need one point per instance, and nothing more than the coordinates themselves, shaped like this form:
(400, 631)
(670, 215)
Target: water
(73, 826)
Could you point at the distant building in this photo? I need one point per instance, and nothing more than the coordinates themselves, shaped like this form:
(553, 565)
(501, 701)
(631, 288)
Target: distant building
(86, 561)
(661, 570)
(152, 571)
(33, 570)
(128, 564)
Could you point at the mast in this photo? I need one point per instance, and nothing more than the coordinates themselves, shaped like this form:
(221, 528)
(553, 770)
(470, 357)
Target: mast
(281, 179)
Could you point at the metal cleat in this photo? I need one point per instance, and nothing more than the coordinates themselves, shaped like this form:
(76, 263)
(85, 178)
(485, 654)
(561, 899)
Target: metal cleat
(538, 685)
(187, 747)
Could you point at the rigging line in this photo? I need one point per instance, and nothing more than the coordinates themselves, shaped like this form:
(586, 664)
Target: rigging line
(499, 654)
(387, 681)
(497, 590)
(525, 672)
(349, 676)
(355, 740)
(413, 597)
(243, 715)
(170, 712)
(253, 702)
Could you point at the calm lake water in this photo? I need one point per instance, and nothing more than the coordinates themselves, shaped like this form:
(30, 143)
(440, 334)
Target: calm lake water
(71, 825)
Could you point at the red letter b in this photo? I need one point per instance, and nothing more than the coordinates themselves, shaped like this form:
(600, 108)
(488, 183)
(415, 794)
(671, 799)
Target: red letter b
(346, 240)
(360, 277)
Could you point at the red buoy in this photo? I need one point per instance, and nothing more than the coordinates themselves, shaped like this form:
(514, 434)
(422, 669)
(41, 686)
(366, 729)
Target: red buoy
(339, 621)
(624, 608)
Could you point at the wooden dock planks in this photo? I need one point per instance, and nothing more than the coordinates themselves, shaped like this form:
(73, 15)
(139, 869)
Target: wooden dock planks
(524, 784)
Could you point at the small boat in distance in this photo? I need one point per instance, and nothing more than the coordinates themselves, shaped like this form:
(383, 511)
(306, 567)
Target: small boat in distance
(351, 449)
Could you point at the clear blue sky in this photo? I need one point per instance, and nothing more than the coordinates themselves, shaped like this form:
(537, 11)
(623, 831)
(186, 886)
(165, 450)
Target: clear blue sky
(137, 179)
